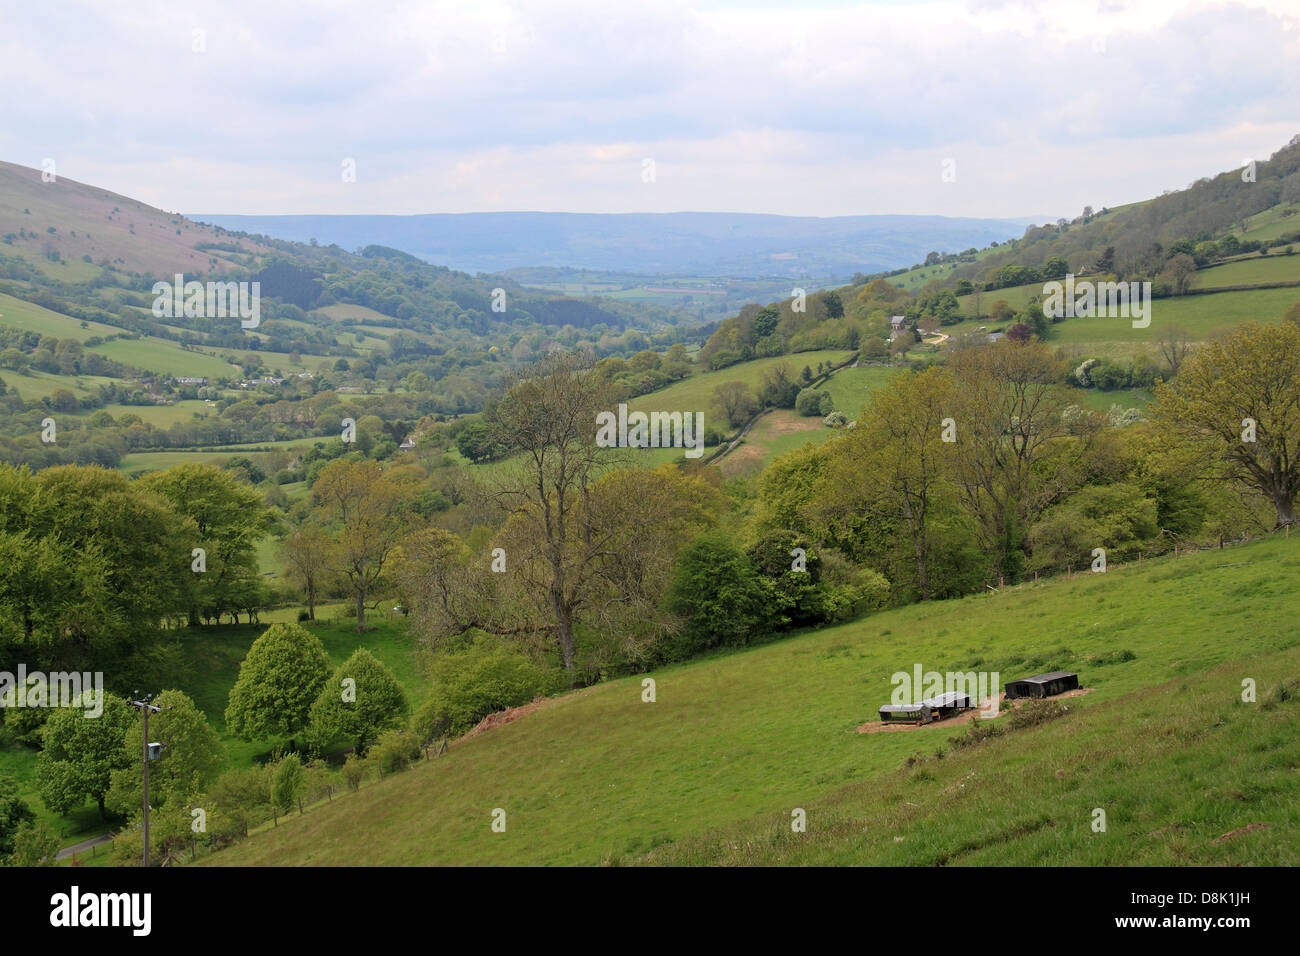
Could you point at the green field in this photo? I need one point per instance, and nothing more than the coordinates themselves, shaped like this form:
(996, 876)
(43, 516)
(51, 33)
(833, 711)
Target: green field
(36, 384)
(163, 416)
(696, 393)
(167, 358)
(1253, 269)
(1200, 315)
(1125, 398)
(26, 315)
(851, 387)
(1272, 223)
(141, 461)
(364, 313)
(735, 742)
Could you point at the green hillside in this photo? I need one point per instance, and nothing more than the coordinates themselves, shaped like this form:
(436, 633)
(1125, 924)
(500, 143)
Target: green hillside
(735, 742)
(696, 393)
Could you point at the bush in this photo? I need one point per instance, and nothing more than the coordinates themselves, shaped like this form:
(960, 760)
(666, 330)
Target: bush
(1036, 712)
(468, 685)
(354, 771)
(812, 402)
(395, 750)
(288, 784)
(977, 731)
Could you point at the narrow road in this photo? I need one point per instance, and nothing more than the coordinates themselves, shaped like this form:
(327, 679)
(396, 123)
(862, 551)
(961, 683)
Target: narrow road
(84, 845)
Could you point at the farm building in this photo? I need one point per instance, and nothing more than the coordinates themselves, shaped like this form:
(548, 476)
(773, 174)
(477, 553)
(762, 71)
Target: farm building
(947, 705)
(933, 708)
(1042, 685)
(905, 713)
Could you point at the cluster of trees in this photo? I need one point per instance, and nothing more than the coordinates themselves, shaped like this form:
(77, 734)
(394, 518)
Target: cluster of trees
(92, 563)
(813, 321)
(285, 687)
(986, 469)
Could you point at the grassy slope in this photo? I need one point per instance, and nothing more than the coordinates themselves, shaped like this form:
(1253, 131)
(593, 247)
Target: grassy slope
(741, 739)
(696, 392)
(851, 387)
(1276, 267)
(36, 318)
(1179, 771)
(92, 221)
(167, 358)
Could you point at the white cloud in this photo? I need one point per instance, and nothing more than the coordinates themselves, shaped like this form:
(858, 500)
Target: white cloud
(822, 110)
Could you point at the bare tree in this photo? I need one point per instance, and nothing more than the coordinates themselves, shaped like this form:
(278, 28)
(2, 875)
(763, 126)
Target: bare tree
(547, 420)
(368, 512)
(305, 552)
(1174, 344)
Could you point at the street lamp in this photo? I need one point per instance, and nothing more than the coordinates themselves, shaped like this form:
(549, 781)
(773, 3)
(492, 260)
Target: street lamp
(149, 751)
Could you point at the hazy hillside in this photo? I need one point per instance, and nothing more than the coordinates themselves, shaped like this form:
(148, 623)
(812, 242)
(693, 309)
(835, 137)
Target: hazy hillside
(694, 243)
(64, 221)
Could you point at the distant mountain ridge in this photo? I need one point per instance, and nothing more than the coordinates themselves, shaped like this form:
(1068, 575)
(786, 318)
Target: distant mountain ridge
(694, 243)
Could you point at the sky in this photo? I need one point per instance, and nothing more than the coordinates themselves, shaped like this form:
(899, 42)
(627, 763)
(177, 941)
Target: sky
(971, 108)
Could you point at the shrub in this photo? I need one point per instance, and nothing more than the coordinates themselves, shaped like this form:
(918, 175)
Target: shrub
(977, 731)
(395, 750)
(1036, 712)
(288, 783)
(811, 401)
(354, 771)
(468, 685)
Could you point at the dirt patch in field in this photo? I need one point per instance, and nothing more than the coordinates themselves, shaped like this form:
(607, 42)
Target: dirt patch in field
(1239, 831)
(787, 423)
(877, 726)
(511, 714)
(743, 458)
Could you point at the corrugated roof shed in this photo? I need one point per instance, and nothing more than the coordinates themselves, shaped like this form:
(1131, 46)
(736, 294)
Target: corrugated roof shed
(951, 699)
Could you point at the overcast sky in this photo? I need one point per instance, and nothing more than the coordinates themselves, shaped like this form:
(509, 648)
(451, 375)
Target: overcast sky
(801, 108)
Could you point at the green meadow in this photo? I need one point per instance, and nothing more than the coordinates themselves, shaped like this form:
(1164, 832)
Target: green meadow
(165, 358)
(734, 742)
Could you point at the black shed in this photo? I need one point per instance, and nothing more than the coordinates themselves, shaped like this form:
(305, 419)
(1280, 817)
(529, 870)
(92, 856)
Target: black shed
(1042, 685)
(905, 713)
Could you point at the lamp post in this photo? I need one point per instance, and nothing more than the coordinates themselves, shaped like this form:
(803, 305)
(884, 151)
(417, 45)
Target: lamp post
(144, 707)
